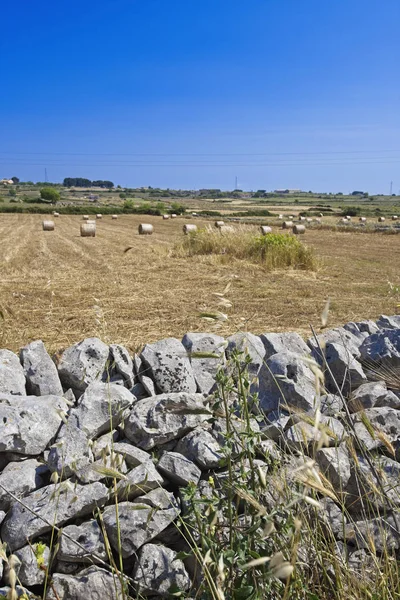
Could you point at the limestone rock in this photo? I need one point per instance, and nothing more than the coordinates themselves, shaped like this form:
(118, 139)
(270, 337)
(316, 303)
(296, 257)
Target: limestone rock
(159, 419)
(12, 376)
(385, 420)
(157, 570)
(89, 535)
(335, 465)
(382, 348)
(34, 560)
(139, 481)
(168, 365)
(40, 371)
(202, 448)
(123, 364)
(139, 522)
(385, 322)
(55, 503)
(178, 469)
(83, 363)
(99, 403)
(28, 424)
(374, 393)
(286, 381)
(281, 342)
(71, 451)
(346, 370)
(21, 478)
(94, 583)
(205, 369)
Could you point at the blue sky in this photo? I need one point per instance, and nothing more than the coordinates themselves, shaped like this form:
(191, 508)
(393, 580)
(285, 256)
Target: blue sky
(188, 94)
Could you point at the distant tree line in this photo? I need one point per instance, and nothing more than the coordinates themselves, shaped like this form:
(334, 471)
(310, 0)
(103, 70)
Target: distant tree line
(82, 182)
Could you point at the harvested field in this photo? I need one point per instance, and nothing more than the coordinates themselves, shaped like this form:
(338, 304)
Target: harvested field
(60, 287)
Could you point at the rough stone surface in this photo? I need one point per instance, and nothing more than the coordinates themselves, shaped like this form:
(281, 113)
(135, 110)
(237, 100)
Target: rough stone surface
(89, 535)
(55, 503)
(104, 443)
(205, 369)
(178, 469)
(385, 420)
(138, 521)
(335, 465)
(382, 348)
(167, 363)
(249, 345)
(382, 531)
(96, 407)
(302, 434)
(21, 478)
(139, 481)
(331, 405)
(133, 456)
(385, 322)
(29, 424)
(12, 376)
(284, 342)
(349, 342)
(346, 370)
(71, 451)
(159, 419)
(373, 393)
(368, 327)
(40, 371)
(123, 364)
(83, 363)
(286, 381)
(94, 583)
(202, 448)
(32, 558)
(157, 570)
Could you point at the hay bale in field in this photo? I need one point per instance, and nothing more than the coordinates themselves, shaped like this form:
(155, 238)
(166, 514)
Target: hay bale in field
(99, 216)
(219, 224)
(85, 217)
(173, 216)
(317, 220)
(381, 219)
(309, 220)
(302, 218)
(394, 217)
(298, 229)
(165, 217)
(265, 229)
(189, 228)
(145, 229)
(280, 217)
(344, 220)
(56, 214)
(48, 225)
(362, 219)
(88, 229)
(114, 216)
(321, 214)
(348, 217)
(227, 229)
(287, 224)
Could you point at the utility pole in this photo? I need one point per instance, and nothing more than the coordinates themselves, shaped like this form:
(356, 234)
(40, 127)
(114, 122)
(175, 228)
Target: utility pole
(45, 175)
(236, 183)
(391, 187)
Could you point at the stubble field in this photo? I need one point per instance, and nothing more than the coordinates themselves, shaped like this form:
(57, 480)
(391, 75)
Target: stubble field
(59, 287)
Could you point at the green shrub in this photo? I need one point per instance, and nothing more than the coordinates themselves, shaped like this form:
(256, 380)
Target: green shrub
(274, 251)
(50, 194)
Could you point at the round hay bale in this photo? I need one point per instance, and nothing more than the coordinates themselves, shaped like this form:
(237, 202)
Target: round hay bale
(165, 217)
(56, 214)
(189, 228)
(287, 224)
(309, 220)
(114, 216)
(348, 217)
(219, 224)
(265, 229)
(88, 229)
(280, 217)
(317, 220)
(394, 218)
(145, 229)
(321, 214)
(299, 229)
(381, 219)
(48, 225)
(173, 216)
(344, 220)
(302, 218)
(227, 229)
(362, 219)
(99, 216)
(85, 217)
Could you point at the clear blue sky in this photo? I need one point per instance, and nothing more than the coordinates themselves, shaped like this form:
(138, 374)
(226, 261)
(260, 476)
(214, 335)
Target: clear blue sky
(191, 93)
